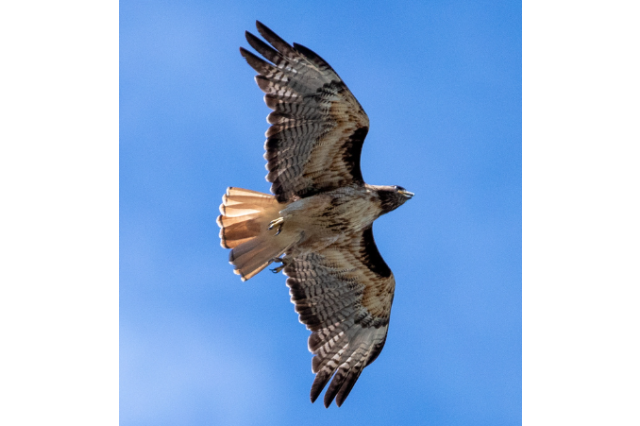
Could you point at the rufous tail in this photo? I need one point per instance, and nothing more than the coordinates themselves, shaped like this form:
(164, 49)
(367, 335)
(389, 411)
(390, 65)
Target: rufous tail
(244, 224)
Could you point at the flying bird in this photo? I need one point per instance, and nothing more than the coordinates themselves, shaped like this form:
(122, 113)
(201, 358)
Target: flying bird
(317, 225)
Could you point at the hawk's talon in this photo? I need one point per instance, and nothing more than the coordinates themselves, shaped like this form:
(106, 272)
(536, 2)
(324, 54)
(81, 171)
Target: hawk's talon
(279, 222)
(277, 268)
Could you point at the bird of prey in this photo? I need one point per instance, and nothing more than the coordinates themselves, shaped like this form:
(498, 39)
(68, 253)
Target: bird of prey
(317, 224)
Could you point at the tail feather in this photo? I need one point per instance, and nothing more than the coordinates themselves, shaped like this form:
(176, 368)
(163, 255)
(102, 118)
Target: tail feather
(240, 230)
(235, 196)
(228, 220)
(238, 254)
(249, 264)
(244, 226)
(236, 210)
(235, 243)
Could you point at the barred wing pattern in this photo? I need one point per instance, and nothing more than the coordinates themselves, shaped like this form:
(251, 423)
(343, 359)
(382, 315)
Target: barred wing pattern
(343, 294)
(318, 126)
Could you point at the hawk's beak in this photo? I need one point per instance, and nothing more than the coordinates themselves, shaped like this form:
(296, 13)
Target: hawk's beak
(406, 193)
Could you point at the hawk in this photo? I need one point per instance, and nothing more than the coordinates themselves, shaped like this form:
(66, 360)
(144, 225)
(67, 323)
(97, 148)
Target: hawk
(317, 224)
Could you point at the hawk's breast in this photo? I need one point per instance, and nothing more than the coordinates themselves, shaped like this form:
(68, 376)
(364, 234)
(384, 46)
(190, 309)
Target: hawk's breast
(343, 210)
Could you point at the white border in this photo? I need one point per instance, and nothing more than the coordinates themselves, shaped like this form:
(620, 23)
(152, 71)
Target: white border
(581, 193)
(59, 232)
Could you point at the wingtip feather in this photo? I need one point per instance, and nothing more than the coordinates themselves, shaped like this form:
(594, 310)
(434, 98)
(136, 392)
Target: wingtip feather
(274, 39)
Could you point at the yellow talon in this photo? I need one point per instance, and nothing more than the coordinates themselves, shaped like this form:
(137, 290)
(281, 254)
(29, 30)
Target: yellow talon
(279, 222)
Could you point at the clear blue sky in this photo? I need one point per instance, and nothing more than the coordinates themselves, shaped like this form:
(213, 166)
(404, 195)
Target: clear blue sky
(441, 83)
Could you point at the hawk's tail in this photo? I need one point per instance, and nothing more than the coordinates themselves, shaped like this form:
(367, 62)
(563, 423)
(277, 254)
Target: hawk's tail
(244, 226)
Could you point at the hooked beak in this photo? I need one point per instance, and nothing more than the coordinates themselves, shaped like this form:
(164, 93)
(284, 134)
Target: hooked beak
(406, 193)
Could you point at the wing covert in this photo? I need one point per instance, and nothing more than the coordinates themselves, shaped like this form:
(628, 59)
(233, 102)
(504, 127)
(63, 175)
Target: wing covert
(317, 125)
(343, 294)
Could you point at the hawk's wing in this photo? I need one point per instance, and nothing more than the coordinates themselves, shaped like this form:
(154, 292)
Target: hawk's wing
(318, 126)
(343, 294)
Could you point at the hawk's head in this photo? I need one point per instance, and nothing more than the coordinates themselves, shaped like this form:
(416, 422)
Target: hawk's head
(392, 197)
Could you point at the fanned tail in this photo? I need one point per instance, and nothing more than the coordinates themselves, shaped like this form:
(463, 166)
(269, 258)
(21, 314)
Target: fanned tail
(244, 226)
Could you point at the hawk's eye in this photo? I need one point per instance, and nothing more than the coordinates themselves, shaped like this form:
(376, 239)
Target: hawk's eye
(399, 188)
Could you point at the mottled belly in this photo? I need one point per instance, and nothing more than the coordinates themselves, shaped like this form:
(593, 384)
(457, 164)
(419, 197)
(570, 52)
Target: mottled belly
(329, 215)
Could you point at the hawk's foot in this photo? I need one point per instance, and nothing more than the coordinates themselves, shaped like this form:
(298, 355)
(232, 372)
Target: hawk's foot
(276, 222)
(278, 268)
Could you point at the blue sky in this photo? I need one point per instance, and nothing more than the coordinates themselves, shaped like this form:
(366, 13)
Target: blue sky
(441, 83)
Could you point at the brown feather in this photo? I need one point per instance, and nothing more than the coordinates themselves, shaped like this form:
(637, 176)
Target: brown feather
(318, 127)
(343, 292)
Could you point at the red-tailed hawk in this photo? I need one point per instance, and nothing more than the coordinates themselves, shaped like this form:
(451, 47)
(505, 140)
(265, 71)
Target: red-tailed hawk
(317, 225)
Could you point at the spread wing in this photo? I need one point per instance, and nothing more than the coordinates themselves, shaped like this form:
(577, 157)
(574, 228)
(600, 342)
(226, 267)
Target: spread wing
(317, 125)
(343, 294)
